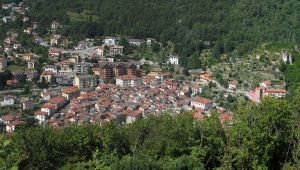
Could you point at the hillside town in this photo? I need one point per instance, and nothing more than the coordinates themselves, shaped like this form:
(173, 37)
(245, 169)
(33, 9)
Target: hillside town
(93, 83)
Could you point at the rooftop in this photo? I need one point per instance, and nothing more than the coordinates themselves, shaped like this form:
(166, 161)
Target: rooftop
(202, 100)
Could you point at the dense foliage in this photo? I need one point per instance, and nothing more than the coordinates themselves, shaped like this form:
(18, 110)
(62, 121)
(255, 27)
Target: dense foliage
(229, 25)
(263, 136)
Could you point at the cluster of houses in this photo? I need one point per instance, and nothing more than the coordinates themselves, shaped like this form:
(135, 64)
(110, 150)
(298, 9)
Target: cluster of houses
(130, 99)
(10, 42)
(266, 89)
(15, 10)
(9, 122)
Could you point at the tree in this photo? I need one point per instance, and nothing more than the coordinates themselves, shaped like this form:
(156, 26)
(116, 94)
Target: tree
(217, 50)
(262, 135)
(155, 47)
(26, 90)
(53, 80)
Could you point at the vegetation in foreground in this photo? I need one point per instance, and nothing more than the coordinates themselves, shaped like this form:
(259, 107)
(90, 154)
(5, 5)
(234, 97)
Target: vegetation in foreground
(263, 136)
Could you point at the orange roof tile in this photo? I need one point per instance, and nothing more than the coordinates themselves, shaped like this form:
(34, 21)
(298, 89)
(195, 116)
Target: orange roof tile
(202, 100)
(275, 91)
(49, 106)
(72, 89)
(57, 100)
(128, 77)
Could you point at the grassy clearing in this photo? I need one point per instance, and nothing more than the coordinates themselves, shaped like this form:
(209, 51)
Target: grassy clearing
(80, 17)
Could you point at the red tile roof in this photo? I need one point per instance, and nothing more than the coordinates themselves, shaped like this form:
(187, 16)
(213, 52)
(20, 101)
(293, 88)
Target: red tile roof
(72, 89)
(135, 113)
(225, 117)
(17, 122)
(267, 82)
(202, 100)
(128, 77)
(199, 115)
(275, 91)
(47, 73)
(49, 106)
(40, 113)
(9, 82)
(57, 100)
(9, 117)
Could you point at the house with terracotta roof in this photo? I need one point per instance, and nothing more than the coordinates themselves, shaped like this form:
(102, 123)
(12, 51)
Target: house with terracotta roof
(202, 103)
(59, 101)
(12, 125)
(206, 77)
(41, 116)
(128, 81)
(12, 82)
(9, 118)
(49, 108)
(132, 116)
(47, 75)
(71, 92)
(54, 52)
(260, 92)
(226, 117)
(266, 84)
(199, 114)
(275, 92)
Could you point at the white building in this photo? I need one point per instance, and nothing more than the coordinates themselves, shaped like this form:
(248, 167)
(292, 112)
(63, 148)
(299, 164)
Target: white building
(31, 64)
(202, 103)
(133, 116)
(135, 42)
(8, 101)
(41, 116)
(55, 25)
(174, 60)
(111, 41)
(55, 40)
(51, 68)
(116, 50)
(45, 95)
(48, 108)
(12, 126)
(128, 81)
(287, 57)
(279, 93)
(266, 84)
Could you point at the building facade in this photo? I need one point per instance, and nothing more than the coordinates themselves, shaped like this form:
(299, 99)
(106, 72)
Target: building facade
(85, 81)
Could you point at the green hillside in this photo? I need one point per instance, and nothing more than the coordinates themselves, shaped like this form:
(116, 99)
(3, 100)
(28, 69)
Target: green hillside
(235, 24)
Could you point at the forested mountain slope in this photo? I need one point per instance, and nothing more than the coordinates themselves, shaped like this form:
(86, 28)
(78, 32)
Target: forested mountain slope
(238, 24)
